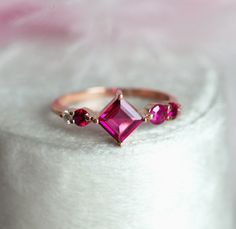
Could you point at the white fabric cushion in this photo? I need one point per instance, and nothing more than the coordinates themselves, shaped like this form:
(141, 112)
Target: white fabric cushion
(57, 176)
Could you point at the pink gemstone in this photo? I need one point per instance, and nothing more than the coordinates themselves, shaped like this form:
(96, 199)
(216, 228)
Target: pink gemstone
(173, 111)
(80, 117)
(159, 113)
(120, 119)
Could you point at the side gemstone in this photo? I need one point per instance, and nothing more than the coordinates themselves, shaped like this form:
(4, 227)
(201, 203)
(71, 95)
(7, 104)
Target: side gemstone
(120, 119)
(159, 113)
(173, 111)
(80, 117)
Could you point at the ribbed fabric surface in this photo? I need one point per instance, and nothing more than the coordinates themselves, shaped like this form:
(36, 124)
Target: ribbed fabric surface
(57, 176)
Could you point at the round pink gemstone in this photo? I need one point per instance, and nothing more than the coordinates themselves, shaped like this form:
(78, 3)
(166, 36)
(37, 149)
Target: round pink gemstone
(173, 111)
(80, 117)
(159, 113)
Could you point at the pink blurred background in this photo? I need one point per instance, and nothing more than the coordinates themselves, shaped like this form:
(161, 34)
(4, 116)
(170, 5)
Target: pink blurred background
(206, 26)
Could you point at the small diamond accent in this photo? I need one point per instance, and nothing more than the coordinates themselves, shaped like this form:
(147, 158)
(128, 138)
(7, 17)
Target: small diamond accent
(68, 117)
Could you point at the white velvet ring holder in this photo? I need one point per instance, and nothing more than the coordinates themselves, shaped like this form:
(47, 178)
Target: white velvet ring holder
(63, 177)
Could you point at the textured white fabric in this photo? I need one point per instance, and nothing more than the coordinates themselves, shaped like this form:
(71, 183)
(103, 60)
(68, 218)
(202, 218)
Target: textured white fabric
(57, 176)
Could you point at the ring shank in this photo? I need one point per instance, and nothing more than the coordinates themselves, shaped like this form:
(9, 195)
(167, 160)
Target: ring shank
(62, 103)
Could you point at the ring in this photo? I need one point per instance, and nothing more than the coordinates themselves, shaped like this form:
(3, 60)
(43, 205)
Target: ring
(119, 118)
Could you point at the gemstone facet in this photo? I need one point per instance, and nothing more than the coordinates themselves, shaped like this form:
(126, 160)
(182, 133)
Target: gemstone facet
(173, 111)
(80, 117)
(120, 119)
(159, 113)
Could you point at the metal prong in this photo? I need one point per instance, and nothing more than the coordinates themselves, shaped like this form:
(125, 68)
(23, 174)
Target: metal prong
(148, 117)
(120, 143)
(88, 117)
(95, 120)
(91, 115)
(168, 110)
(119, 94)
(179, 108)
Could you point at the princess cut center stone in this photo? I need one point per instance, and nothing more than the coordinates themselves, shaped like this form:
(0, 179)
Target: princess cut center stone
(120, 119)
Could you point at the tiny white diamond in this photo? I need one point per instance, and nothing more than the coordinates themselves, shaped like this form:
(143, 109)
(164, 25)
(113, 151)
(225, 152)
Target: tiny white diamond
(68, 117)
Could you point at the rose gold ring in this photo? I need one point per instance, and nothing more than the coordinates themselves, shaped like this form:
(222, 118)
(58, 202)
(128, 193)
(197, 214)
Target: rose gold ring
(119, 118)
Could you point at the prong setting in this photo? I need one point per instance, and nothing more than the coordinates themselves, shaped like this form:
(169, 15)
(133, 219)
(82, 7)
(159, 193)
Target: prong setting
(68, 117)
(168, 118)
(148, 117)
(88, 118)
(119, 94)
(95, 120)
(120, 144)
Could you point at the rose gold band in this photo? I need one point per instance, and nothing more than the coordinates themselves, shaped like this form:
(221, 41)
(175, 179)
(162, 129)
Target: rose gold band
(62, 103)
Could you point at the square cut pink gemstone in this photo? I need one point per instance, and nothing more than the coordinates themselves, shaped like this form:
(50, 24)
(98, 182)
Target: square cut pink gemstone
(120, 119)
